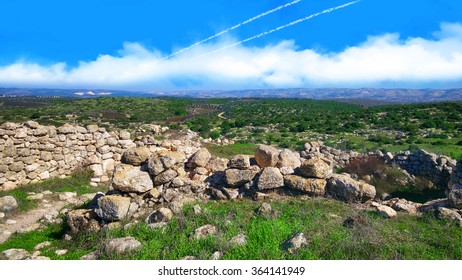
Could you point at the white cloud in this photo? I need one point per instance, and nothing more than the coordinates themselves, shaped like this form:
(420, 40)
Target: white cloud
(381, 60)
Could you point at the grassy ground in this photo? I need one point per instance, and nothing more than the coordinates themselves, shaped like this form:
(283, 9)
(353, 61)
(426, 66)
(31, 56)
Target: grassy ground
(232, 150)
(321, 220)
(77, 182)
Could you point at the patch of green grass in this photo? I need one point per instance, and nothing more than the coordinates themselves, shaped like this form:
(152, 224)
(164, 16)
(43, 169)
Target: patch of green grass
(321, 220)
(232, 150)
(77, 182)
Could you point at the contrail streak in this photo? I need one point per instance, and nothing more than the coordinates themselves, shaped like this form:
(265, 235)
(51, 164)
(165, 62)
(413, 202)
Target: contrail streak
(232, 28)
(281, 27)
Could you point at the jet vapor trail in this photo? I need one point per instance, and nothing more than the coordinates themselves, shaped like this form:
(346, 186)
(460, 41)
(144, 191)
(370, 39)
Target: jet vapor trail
(232, 28)
(281, 27)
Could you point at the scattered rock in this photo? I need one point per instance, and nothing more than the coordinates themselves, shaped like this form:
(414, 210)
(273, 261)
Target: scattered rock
(204, 231)
(239, 240)
(385, 211)
(160, 215)
(217, 255)
(264, 210)
(42, 245)
(16, 254)
(61, 252)
(295, 243)
(67, 196)
(82, 220)
(309, 186)
(270, 178)
(239, 162)
(91, 256)
(455, 198)
(200, 158)
(449, 214)
(197, 210)
(124, 245)
(8, 204)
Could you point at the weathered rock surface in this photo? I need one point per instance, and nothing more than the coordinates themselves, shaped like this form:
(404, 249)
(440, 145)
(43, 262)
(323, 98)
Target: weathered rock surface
(266, 156)
(348, 189)
(204, 231)
(124, 245)
(287, 158)
(315, 168)
(160, 215)
(136, 156)
(238, 240)
(113, 208)
(309, 186)
(8, 204)
(236, 177)
(16, 254)
(455, 198)
(270, 178)
(295, 243)
(200, 158)
(239, 162)
(82, 220)
(130, 179)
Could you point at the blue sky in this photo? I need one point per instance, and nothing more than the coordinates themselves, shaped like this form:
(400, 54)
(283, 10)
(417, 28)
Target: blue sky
(120, 44)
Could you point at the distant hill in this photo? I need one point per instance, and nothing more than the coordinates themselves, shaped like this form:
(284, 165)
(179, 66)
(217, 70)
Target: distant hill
(390, 96)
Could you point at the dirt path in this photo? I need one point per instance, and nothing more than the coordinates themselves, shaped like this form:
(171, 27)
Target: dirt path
(29, 220)
(221, 115)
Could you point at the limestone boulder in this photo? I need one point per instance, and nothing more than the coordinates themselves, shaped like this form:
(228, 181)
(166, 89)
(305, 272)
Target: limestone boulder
(113, 208)
(310, 186)
(287, 158)
(160, 161)
(200, 158)
(270, 178)
(136, 156)
(315, 168)
(239, 162)
(295, 243)
(204, 231)
(266, 156)
(236, 177)
(82, 220)
(165, 177)
(345, 188)
(128, 178)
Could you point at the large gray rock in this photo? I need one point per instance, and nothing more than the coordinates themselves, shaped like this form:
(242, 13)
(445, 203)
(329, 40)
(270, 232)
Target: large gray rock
(8, 204)
(136, 156)
(348, 189)
(113, 208)
(315, 168)
(311, 186)
(217, 165)
(266, 156)
(124, 245)
(236, 177)
(128, 178)
(239, 162)
(200, 158)
(287, 158)
(270, 178)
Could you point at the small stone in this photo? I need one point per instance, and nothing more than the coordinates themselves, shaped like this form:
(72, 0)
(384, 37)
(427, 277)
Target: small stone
(8, 204)
(386, 212)
(217, 255)
(160, 215)
(197, 210)
(42, 245)
(124, 245)
(10, 222)
(61, 252)
(90, 256)
(16, 254)
(204, 231)
(239, 240)
(295, 243)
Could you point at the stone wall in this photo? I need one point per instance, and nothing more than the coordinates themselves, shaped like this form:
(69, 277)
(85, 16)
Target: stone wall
(434, 167)
(31, 152)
